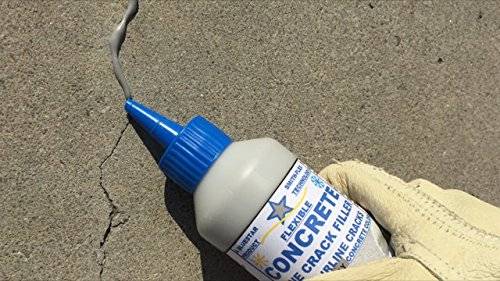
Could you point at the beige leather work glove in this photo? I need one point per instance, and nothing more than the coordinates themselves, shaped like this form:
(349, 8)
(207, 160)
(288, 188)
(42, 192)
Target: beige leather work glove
(435, 233)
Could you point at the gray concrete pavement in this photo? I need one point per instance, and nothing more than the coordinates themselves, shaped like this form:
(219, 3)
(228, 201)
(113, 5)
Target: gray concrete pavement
(409, 86)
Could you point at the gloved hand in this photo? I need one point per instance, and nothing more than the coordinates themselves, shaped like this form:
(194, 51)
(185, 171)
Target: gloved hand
(435, 233)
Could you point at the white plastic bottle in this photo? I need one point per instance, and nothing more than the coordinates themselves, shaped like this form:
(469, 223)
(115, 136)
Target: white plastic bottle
(258, 203)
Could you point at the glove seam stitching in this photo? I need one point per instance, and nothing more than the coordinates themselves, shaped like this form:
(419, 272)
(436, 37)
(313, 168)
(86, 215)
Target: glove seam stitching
(457, 218)
(440, 223)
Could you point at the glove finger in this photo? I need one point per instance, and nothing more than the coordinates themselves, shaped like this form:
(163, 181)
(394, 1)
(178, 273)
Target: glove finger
(375, 190)
(387, 269)
(451, 233)
(330, 175)
(464, 205)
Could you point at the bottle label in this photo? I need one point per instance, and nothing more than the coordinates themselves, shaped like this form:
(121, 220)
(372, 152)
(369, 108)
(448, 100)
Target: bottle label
(306, 228)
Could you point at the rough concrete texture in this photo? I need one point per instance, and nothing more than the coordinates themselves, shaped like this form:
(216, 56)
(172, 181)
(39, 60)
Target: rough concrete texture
(413, 87)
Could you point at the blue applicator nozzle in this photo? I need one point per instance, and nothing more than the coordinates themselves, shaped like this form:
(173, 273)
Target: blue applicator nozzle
(189, 151)
(162, 129)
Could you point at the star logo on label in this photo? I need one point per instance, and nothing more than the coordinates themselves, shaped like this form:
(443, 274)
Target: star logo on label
(280, 209)
(260, 261)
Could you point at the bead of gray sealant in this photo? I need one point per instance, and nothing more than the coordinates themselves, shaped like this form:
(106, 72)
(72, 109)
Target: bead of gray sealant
(116, 40)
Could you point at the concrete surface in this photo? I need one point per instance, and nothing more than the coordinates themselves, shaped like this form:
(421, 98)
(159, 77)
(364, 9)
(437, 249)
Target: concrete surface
(413, 87)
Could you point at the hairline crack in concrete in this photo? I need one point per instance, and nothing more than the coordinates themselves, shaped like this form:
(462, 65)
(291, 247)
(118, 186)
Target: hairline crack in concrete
(114, 208)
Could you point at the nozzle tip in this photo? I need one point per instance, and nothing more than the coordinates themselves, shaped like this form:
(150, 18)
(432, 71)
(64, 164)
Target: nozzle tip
(162, 129)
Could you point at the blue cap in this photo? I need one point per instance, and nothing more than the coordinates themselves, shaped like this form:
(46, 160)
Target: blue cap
(189, 151)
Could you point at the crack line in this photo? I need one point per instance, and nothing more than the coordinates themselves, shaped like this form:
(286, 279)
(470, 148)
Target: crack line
(114, 208)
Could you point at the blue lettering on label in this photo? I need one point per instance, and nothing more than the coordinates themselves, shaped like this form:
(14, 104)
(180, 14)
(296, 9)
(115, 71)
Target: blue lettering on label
(305, 236)
(301, 183)
(247, 238)
(320, 231)
(252, 248)
(296, 221)
(293, 177)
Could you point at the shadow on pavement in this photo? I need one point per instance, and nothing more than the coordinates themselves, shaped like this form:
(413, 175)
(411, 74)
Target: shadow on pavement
(216, 265)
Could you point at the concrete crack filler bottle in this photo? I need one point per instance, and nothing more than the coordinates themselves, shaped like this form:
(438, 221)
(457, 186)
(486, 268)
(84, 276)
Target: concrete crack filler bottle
(258, 203)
